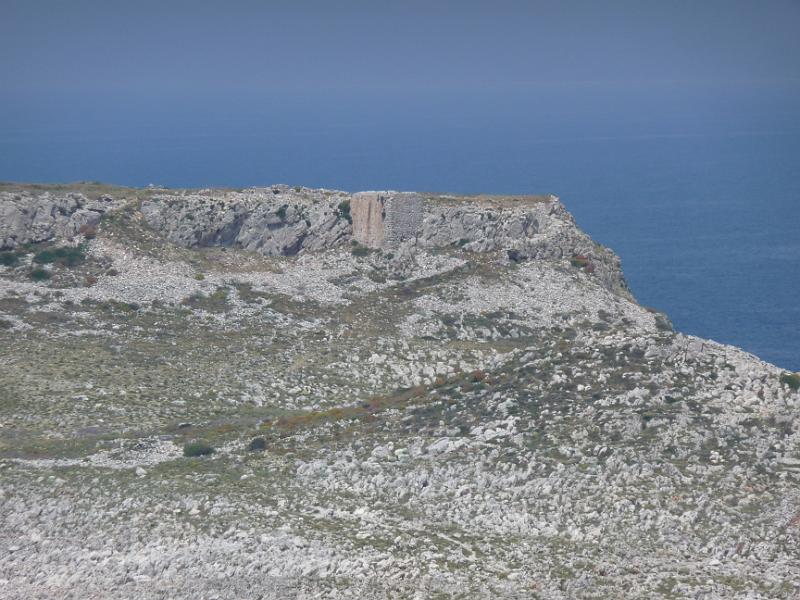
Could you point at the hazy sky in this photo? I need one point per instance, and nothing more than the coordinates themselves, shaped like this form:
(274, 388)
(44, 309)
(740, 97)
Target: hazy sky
(272, 46)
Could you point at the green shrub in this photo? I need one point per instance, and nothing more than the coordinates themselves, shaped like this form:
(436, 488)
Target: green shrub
(792, 380)
(663, 323)
(6, 324)
(514, 255)
(215, 302)
(344, 211)
(199, 276)
(9, 259)
(67, 256)
(39, 275)
(116, 305)
(281, 212)
(258, 444)
(377, 276)
(360, 251)
(197, 449)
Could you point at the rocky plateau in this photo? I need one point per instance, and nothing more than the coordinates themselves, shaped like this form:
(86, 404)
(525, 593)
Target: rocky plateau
(255, 393)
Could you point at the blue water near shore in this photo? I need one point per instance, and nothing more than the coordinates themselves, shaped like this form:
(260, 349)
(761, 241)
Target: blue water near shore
(707, 222)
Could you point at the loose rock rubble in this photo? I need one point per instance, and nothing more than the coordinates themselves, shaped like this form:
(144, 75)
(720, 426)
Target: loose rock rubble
(483, 411)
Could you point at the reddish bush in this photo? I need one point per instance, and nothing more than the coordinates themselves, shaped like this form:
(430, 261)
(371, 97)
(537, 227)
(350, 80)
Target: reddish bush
(88, 231)
(579, 260)
(479, 375)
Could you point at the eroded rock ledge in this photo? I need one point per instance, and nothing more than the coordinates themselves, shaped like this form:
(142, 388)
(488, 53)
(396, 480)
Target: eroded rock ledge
(284, 221)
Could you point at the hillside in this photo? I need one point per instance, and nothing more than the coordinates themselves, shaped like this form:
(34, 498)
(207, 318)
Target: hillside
(460, 400)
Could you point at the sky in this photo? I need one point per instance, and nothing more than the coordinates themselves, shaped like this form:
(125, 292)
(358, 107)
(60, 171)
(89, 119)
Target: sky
(262, 47)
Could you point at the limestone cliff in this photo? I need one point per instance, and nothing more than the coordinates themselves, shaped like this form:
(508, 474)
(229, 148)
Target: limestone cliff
(30, 217)
(284, 221)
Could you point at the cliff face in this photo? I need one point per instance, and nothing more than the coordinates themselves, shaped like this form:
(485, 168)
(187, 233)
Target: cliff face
(31, 218)
(275, 222)
(217, 393)
(283, 221)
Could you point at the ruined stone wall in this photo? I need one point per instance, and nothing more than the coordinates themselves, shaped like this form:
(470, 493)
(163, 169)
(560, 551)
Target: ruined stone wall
(403, 219)
(366, 210)
(385, 219)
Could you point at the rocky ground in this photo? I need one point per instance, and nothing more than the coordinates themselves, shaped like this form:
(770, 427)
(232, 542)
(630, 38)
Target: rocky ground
(482, 412)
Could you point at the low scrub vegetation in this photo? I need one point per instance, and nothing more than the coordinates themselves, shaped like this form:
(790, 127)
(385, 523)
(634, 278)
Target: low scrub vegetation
(39, 275)
(258, 444)
(9, 259)
(67, 256)
(792, 380)
(479, 375)
(116, 305)
(579, 261)
(662, 321)
(344, 210)
(88, 231)
(215, 302)
(193, 449)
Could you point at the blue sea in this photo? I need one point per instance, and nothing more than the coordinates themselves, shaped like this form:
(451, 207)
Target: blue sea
(704, 209)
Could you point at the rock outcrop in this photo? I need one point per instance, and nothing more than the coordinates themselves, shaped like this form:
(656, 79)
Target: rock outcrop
(538, 228)
(284, 221)
(277, 221)
(30, 218)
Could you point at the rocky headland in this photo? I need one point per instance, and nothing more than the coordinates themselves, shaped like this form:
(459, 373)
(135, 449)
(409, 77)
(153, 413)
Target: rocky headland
(292, 393)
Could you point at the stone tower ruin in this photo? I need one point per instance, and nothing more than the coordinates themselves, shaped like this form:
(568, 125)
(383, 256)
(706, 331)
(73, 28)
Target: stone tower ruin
(385, 219)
